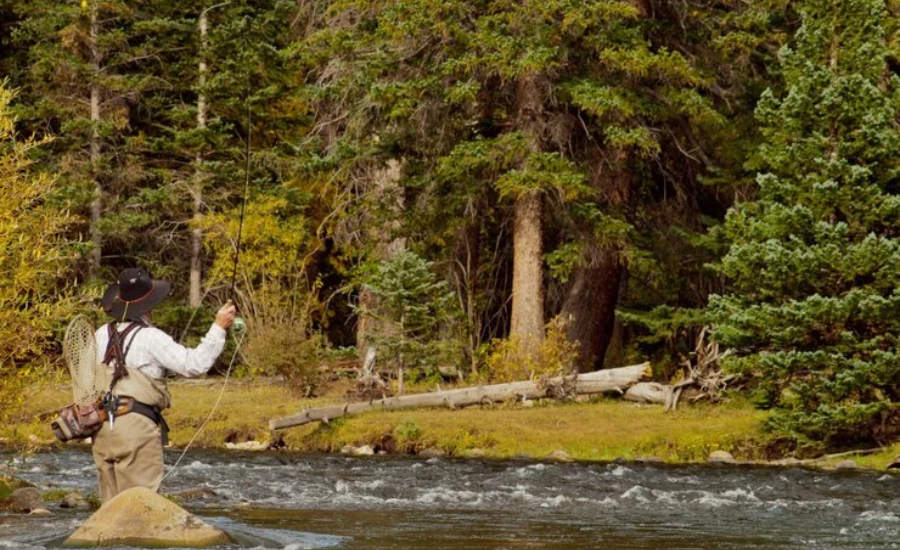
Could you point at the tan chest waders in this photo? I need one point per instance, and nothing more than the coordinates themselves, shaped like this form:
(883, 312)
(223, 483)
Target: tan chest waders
(93, 384)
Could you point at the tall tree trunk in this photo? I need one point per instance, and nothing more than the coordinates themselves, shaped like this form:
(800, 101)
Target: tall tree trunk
(528, 287)
(590, 306)
(387, 196)
(593, 294)
(195, 296)
(465, 280)
(527, 323)
(97, 200)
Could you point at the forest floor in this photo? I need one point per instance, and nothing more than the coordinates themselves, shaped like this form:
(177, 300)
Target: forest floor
(599, 429)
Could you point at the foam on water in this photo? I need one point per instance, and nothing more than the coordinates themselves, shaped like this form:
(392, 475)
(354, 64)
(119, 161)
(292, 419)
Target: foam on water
(873, 515)
(836, 511)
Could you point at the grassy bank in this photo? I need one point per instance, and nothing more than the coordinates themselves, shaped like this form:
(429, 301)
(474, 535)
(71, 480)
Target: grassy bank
(601, 429)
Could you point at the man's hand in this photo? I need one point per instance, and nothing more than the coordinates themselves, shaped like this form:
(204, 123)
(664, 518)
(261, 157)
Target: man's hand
(225, 315)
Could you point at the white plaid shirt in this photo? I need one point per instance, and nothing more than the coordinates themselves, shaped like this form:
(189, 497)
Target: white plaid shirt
(153, 351)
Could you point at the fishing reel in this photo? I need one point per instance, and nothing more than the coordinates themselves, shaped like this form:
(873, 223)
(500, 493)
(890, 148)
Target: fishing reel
(239, 326)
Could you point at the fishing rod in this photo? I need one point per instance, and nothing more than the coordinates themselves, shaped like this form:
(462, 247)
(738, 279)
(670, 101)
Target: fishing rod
(239, 328)
(238, 321)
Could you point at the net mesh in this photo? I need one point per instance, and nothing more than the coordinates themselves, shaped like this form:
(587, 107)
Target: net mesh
(80, 353)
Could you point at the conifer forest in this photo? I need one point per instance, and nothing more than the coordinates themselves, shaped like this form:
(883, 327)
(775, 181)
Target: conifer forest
(496, 188)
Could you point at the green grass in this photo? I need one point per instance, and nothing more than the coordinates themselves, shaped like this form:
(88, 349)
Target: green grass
(600, 429)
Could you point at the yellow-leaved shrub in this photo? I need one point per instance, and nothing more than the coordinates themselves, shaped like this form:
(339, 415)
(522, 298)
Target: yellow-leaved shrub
(33, 262)
(273, 288)
(508, 361)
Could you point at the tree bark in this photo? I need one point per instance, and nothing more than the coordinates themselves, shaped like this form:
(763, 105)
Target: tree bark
(95, 151)
(387, 196)
(527, 324)
(648, 392)
(528, 287)
(590, 306)
(195, 295)
(593, 294)
(610, 380)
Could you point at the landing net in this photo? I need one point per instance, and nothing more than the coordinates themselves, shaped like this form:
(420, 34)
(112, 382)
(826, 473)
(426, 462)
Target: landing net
(80, 353)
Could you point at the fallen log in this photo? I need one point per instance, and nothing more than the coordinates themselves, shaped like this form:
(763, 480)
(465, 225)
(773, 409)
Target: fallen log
(648, 392)
(604, 381)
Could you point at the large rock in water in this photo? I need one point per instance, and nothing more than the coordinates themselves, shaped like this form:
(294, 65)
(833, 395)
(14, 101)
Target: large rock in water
(141, 517)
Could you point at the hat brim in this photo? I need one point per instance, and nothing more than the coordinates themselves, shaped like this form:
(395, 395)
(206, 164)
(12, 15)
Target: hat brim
(117, 308)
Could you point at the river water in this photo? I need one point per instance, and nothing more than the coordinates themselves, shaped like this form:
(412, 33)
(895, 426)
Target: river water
(292, 501)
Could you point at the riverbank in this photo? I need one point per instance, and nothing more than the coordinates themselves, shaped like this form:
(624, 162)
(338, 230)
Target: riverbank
(603, 429)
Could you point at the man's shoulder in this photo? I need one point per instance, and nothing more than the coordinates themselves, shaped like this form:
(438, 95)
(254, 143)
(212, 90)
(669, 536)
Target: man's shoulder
(153, 332)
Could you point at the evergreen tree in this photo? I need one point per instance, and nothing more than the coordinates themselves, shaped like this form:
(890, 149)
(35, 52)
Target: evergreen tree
(87, 66)
(814, 301)
(417, 305)
(526, 130)
(142, 142)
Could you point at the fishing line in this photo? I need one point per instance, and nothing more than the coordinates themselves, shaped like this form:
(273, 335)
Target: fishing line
(215, 406)
(239, 328)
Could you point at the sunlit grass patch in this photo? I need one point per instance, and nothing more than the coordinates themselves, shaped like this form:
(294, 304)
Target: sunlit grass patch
(600, 430)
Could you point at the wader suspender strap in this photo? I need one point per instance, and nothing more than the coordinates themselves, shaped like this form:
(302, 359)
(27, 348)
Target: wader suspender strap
(114, 353)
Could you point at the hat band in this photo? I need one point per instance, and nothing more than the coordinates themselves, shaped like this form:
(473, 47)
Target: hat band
(136, 300)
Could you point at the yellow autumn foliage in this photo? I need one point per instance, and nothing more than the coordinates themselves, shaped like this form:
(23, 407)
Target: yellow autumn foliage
(33, 259)
(508, 361)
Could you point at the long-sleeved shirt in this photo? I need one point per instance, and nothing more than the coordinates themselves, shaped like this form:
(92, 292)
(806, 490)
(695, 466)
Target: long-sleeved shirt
(153, 351)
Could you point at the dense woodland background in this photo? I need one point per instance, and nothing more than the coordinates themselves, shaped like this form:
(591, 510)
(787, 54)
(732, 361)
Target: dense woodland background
(508, 187)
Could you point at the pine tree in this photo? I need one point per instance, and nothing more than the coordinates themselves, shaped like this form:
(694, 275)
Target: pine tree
(528, 124)
(814, 301)
(416, 305)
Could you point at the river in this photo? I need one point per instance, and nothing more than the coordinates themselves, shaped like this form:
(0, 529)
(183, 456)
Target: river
(293, 501)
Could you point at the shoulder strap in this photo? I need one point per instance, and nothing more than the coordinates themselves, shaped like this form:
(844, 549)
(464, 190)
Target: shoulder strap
(134, 328)
(115, 355)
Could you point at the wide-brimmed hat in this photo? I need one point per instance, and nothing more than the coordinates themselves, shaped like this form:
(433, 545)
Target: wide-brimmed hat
(134, 294)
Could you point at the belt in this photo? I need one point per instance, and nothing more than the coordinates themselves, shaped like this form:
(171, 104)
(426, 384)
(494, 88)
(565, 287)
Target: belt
(129, 404)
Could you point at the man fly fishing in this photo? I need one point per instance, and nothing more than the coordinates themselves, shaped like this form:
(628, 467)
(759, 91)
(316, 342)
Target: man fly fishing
(128, 449)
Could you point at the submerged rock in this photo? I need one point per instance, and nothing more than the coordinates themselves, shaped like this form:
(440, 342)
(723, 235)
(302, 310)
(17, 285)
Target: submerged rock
(847, 465)
(365, 450)
(26, 499)
(432, 452)
(141, 517)
(789, 461)
(196, 492)
(75, 500)
(248, 446)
